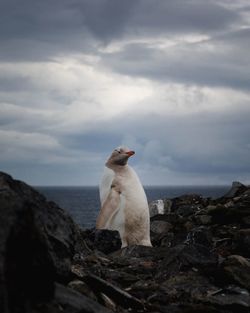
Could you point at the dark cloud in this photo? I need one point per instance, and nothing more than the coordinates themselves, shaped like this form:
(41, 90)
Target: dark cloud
(221, 61)
(179, 16)
(38, 30)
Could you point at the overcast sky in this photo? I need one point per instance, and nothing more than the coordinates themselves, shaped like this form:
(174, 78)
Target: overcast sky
(168, 78)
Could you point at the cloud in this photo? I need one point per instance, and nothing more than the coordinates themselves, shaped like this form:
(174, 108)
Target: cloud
(82, 77)
(220, 61)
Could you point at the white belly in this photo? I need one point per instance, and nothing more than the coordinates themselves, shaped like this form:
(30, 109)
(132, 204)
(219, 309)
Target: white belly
(131, 218)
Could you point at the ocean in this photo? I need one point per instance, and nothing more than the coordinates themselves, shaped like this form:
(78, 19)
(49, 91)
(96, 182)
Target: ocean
(83, 203)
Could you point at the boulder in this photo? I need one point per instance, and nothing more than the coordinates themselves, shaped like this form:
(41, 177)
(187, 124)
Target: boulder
(241, 242)
(236, 189)
(160, 227)
(237, 269)
(37, 243)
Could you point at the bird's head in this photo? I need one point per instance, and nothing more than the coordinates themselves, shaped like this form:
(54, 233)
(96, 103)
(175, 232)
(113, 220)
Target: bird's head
(120, 156)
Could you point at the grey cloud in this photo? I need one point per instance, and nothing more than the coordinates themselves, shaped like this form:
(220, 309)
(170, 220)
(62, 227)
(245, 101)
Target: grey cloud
(39, 30)
(178, 16)
(193, 145)
(198, 145)
(221, 61)
(202, 144)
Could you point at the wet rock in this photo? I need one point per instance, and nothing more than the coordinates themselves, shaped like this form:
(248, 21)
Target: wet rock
(237, 268)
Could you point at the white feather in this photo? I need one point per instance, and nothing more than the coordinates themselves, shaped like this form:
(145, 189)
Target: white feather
(131, 217)
(105, 184)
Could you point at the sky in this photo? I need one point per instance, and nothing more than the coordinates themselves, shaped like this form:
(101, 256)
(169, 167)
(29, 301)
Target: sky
(169, 79)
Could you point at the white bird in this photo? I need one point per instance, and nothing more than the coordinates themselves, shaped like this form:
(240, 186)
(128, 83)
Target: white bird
(124, 205)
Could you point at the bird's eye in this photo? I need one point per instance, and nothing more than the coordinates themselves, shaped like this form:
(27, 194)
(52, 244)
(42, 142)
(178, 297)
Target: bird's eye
(118, 151)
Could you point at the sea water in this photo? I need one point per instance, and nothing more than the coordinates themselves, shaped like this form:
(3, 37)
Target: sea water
(83, 203)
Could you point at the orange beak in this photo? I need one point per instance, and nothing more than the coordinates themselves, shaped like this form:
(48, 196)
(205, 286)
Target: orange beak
(130, 153)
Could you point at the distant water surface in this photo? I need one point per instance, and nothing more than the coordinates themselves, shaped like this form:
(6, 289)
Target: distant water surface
(83, 203)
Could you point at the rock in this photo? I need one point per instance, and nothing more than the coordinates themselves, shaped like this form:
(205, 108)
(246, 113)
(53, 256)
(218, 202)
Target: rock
(188, 200)
(234, 298)
(37, 244)
(230, 212)
(118, 296)
(200, 235)
(156, 207)
(106, 240)
(236, 189)
(183, 257)
(167, 206)
(198, 262)
(246, 220)
(203, 219)
(81, 287)
(237, 269)
(160, 227)
(74, 302)
(241, 242)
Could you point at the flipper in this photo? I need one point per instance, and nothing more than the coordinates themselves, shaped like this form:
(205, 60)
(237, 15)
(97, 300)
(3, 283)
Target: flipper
(109, 207)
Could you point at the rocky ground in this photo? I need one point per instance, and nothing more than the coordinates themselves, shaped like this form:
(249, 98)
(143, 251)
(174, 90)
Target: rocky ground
(199, 261)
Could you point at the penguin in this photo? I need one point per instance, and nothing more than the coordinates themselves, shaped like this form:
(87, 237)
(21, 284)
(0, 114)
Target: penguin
(124, 205)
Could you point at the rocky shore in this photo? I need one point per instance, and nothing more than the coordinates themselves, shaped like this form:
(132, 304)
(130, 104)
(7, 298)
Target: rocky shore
(199, 261)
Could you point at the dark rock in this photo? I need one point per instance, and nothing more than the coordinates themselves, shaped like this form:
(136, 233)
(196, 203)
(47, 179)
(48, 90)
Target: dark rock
(236, 189)
(190, 203)
(200, 235)
(135, 251)
(230, 212)
(83, 288)
(187, 209)
(237, 268)
(118, 295)
(241, 242)
(189, 269)
(160, 227)
(37, 243)
(246, 220)
(203, 219)
(74, 302)
(107, 241)
(183, 257)
(236, 298)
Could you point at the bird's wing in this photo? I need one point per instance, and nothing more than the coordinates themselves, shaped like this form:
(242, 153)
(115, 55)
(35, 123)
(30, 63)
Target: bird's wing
(109, 207)
(105, 184)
